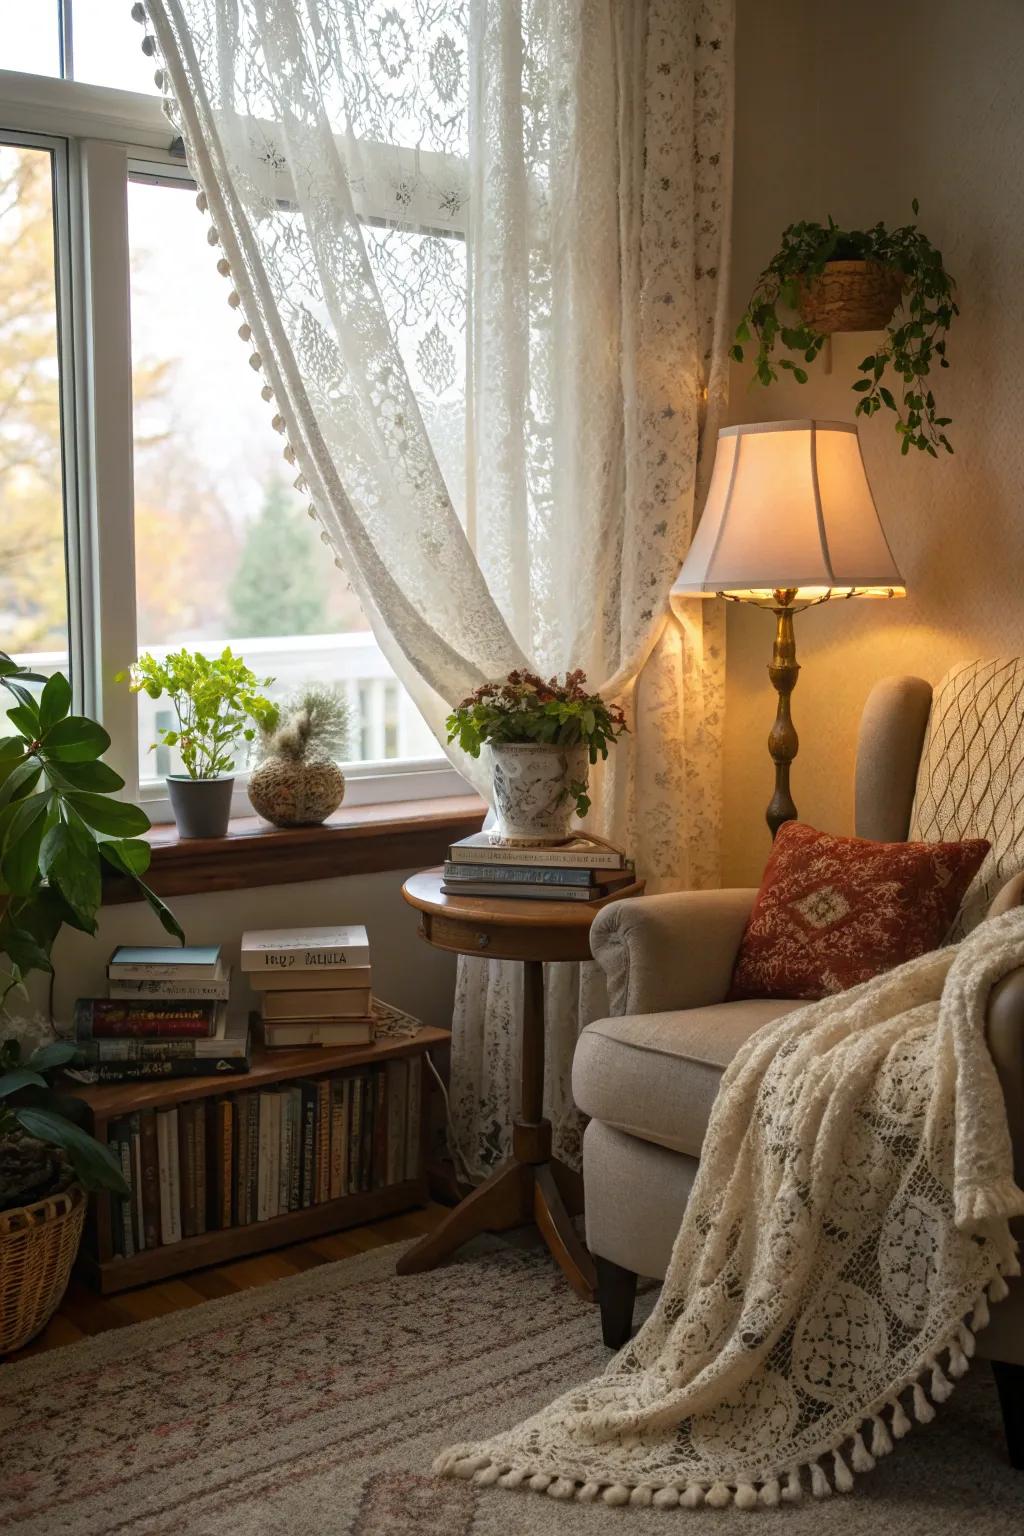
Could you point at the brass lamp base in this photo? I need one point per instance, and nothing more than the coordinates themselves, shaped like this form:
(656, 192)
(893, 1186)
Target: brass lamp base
(783, 742)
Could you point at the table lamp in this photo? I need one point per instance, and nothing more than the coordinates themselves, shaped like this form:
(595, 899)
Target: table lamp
(789, 522)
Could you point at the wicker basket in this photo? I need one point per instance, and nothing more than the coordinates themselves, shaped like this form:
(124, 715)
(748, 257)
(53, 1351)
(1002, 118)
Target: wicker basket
(850, 296)
(38, 1245)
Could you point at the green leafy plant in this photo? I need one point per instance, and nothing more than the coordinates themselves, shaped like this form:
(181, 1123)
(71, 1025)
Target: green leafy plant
(915, 338)
(215, 699)
(524, 709)
(59, 825)
(30, 1108)
(312, 722)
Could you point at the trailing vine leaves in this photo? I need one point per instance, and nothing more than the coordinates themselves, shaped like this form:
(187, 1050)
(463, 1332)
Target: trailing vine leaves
(59, 824)
(915, 339)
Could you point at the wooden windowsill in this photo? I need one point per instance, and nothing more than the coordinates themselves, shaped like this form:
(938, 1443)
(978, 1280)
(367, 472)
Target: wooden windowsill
(356, 840)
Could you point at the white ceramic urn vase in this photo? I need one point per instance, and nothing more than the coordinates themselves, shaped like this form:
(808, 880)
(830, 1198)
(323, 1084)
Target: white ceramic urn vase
(533, 799)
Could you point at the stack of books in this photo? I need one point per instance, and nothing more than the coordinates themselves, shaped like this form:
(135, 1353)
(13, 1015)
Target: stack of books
(226, 1161)
(581, 870)
(313, 985)
(166, 1016)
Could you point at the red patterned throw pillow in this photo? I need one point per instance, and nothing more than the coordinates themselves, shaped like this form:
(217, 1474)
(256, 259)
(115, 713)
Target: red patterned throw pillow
(835, 911)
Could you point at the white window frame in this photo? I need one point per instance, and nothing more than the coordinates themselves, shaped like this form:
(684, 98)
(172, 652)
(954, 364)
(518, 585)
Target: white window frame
(99, 137)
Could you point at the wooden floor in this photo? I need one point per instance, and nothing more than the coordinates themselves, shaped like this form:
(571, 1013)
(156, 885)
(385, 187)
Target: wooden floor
(82, 1312)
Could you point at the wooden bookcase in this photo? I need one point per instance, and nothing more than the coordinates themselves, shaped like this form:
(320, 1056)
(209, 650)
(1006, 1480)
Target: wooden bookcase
(107, 1272)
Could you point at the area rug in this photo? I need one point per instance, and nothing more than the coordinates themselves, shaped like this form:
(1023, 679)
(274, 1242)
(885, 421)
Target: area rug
(314, 1406)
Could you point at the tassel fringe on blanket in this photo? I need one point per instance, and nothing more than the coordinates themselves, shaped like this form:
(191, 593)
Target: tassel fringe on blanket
(846, 1236)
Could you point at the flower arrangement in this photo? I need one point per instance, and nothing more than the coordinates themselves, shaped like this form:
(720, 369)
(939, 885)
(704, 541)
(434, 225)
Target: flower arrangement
(526, 710)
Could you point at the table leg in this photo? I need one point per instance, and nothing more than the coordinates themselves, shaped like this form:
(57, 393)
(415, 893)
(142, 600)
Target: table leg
(560, 1235)
(502, 1201)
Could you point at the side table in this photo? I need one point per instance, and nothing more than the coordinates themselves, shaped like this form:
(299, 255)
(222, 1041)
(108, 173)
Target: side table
(532, 1185)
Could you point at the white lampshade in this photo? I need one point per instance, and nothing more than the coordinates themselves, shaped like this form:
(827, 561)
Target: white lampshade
(789, 507)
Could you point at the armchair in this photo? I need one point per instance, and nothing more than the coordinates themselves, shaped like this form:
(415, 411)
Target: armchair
(929, 767)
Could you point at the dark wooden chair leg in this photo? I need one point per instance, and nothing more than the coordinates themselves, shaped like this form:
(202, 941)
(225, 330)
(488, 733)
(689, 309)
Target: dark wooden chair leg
(1010, 1386)
(616, 1295)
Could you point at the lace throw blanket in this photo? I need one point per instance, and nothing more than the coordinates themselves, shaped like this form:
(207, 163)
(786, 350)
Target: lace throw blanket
(848, 1227)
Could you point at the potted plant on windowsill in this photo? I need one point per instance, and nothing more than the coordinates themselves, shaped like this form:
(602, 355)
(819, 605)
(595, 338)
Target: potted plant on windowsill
(824, 279)
(218, 706)
(542, 738)
(59, 826)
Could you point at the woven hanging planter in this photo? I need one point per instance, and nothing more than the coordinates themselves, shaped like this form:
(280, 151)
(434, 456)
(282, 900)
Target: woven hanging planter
(38, 1245)
(850, 296)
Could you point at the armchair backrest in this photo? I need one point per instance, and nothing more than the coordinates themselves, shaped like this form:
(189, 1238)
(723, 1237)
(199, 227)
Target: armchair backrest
(946, 764)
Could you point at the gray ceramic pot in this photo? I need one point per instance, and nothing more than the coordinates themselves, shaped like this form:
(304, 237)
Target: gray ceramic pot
(202, 807)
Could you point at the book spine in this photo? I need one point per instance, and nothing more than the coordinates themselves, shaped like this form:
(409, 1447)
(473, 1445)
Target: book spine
(396, 1073)
(123, 1152)
(196, 990)
(308, 1144)
(379, 1163)
(346, 1130)
(200, 1111)
(525, 892)
(366, 1144)
(295, 1133)
(584, 858)
(150, 1178)
(187, 1169)
(516, 874)
(148, 1025)
(170, 1193)
(323, 1140)
(263, 1209)
(355, 1134)
(159, 1071)
(253, 1164)
(334, 955)
(413, 1119)
(337, 979)
(140, 971)
(336, 1138)
(138, 1219)
(225, 1161)
(284, 1160)
(240, 1172)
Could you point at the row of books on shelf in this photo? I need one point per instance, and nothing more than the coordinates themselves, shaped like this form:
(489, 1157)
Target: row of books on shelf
(209, 1164)
(169, 1014)
(584, 869)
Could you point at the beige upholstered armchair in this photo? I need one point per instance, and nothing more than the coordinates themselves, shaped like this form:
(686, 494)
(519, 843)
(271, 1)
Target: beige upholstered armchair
(929, 767)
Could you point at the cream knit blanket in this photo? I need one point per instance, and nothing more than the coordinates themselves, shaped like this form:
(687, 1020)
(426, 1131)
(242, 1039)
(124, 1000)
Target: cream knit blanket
(848, 1226)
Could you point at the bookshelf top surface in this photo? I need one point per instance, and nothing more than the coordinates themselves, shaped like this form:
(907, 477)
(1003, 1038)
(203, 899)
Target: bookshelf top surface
(108, 1100)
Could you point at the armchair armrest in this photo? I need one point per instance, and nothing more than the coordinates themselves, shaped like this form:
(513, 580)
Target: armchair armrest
(672, 951)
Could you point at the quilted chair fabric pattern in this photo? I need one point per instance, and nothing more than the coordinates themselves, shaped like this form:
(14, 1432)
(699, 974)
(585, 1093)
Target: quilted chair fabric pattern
(970, 781)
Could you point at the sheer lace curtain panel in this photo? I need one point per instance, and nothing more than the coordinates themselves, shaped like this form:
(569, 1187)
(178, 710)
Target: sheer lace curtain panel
(566, 165)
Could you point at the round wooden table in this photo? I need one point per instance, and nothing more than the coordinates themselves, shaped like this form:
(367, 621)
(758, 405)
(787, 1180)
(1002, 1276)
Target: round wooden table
(532, 1185)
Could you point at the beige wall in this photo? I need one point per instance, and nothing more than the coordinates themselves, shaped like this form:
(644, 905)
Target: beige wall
(855, 110)
(406, 971)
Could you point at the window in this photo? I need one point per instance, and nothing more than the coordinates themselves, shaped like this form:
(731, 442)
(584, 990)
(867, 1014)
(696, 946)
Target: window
(33, 584)
(75, 40)
(188, 529)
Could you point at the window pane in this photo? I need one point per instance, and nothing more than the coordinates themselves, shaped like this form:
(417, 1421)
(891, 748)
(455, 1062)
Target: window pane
(224, 549)
(30, 36)
(33, 583)
(107, 47)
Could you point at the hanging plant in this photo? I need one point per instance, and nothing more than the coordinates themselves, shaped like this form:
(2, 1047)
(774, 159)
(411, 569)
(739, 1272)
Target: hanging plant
(825, 279)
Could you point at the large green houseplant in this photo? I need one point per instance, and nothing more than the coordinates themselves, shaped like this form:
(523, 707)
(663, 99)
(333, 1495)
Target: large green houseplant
(59, 827)
(219, 704)
(824, 279)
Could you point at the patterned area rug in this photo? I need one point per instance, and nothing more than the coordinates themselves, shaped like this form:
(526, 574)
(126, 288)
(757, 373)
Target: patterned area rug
(315, 1405)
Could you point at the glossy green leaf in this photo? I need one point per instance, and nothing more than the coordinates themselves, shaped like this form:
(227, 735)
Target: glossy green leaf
(55, 701)
(23, 948)
(129, 854)
(21, 780)
(94, 1164)
(57, 1053)
(96, 776)
(21, 1077)
(76, 739)
(115, 817)
(69, 859)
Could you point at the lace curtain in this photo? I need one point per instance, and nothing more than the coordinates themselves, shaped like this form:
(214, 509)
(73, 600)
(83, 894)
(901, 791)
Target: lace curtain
(584, 147)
